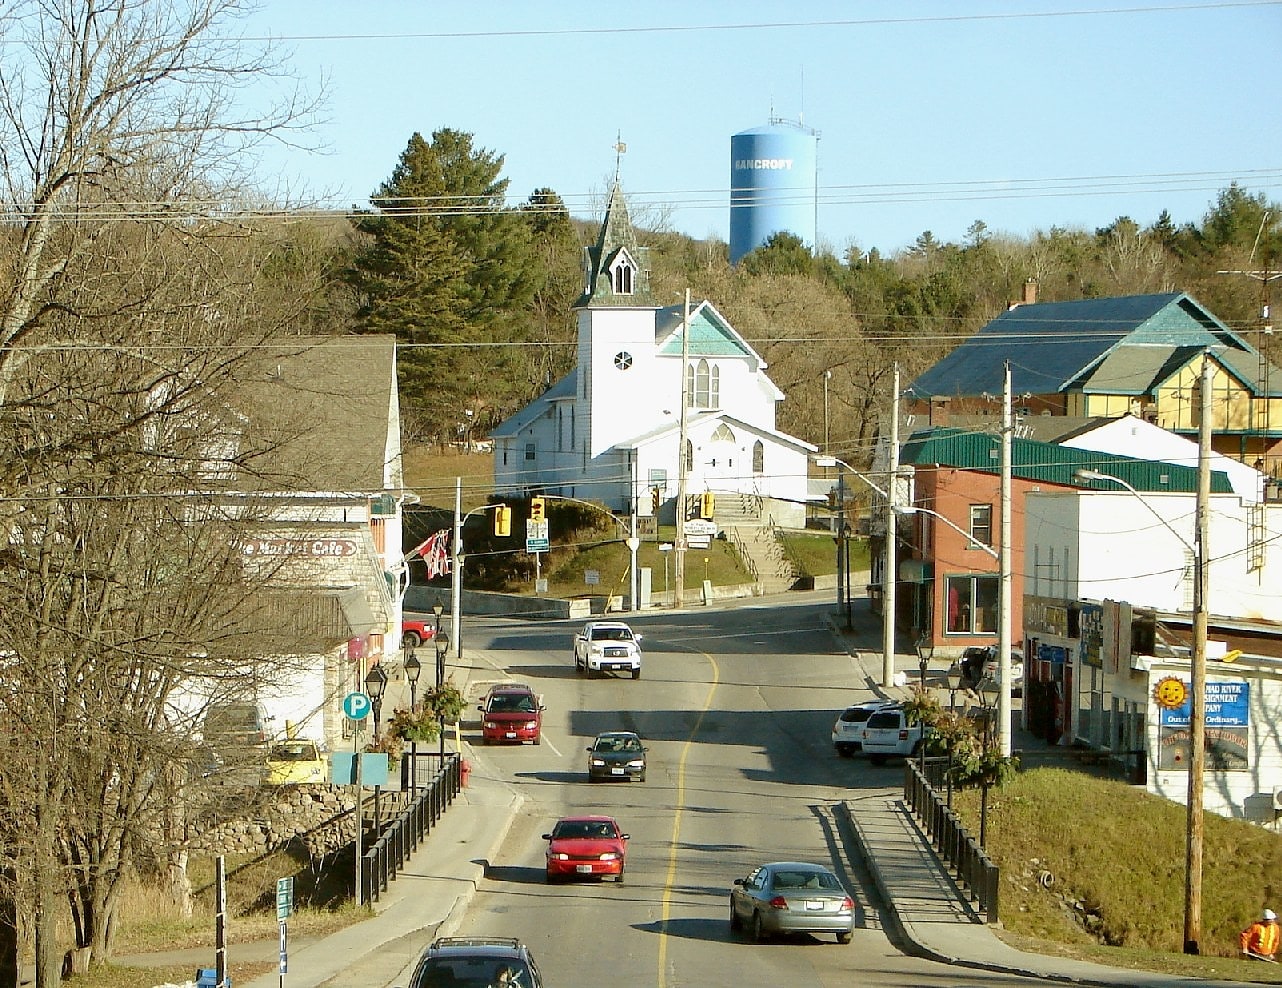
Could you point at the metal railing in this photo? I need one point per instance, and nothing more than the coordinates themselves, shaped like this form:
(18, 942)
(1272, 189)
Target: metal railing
(954, 844)
(736, 540)
(400, 838)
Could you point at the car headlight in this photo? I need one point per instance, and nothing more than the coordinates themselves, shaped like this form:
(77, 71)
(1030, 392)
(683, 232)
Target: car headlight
(558, 856)
(598, 763)
(636, 763)
(610, 856)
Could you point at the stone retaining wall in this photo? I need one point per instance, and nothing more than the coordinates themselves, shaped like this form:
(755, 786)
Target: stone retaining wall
(318, 815)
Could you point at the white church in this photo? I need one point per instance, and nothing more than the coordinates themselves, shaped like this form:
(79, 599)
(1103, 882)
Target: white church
(609, 431)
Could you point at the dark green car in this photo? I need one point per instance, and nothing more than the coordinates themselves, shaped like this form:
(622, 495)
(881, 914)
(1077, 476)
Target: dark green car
(616, 755)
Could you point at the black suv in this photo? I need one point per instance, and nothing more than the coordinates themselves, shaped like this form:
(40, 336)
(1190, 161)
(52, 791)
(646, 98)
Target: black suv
(476, 962)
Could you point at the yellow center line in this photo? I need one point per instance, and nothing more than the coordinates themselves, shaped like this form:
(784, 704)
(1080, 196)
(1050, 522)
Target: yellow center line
(676, 821)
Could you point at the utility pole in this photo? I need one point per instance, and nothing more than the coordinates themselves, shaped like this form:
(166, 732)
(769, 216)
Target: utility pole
(1197, 709)
(679, 567)
(456, 571)
(1004, 602)
(889, 576)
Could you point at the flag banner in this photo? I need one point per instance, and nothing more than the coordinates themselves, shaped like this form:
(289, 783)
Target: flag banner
(435, 552)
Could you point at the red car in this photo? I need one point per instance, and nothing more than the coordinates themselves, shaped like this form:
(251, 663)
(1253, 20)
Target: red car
(414, 632)
(511, 712)
(581, 846)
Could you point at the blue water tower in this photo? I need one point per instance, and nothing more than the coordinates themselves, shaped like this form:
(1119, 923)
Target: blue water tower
(772, 185)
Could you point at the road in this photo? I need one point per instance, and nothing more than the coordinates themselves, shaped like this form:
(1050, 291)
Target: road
(736, 706)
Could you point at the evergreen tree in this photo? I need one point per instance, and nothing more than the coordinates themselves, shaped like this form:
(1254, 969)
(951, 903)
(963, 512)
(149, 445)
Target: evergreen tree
(450, 271)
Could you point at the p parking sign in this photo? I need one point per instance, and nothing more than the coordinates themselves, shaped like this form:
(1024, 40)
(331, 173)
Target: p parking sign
(356, 706)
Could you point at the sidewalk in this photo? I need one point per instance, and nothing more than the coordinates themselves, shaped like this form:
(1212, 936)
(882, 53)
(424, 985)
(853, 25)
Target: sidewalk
(927, 910)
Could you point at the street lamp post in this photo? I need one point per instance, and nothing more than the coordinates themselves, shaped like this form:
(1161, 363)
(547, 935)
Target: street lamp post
(989, 696)
(375, 684)
(413, 669)
(954, 677)
(442, 646)
(924, 652)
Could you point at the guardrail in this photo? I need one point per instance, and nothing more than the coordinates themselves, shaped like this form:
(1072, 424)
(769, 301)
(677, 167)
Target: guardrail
(973, 868)
(400, 838)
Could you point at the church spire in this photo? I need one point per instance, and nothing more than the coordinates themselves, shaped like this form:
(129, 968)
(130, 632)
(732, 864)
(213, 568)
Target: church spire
(615, 273)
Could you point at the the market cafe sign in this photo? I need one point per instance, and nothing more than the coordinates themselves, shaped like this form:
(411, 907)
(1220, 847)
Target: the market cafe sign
(278, 548)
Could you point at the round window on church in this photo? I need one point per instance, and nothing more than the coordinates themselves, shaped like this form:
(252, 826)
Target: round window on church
(623, 360)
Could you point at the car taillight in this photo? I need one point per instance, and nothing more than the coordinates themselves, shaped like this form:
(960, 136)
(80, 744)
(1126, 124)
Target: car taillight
(778, 902)
(903, 735)
(847, 905)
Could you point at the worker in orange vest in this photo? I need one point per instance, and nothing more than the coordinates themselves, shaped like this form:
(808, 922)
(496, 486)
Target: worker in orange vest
(1260, 939)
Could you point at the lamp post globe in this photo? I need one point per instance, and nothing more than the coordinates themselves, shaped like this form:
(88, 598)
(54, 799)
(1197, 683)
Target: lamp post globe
(375, 684)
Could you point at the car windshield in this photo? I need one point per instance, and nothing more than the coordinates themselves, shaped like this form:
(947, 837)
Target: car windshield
(798, 879)
(612, 634)
(510, 703)
(618, 744)
(583, 830)
(470, 972)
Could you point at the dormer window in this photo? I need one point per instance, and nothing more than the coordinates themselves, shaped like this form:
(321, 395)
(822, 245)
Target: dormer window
(622, 273)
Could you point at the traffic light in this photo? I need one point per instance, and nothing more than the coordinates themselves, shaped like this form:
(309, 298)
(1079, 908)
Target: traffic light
(706, 504)
(656, 497)
(536, 509)
(503, 520)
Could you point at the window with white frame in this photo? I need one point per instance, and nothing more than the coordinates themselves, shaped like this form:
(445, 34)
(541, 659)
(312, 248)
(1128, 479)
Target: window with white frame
(529, 451)
(981, 523)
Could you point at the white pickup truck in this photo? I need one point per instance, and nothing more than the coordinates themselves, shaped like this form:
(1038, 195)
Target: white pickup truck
(607, 646)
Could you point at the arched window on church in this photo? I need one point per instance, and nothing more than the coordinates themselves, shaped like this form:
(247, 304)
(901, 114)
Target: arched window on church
(714, 388)
(622, 274)
(723, 434)
(701, 393)
(758, 457)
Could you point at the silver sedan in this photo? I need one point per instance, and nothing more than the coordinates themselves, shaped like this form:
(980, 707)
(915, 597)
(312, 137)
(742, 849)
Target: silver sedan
(791, 897)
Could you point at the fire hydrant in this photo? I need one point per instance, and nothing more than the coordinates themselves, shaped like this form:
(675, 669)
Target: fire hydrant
(465, 770)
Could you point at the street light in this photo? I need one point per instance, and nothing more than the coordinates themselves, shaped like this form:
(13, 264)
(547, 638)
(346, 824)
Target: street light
(925, 652)
(989, 695)
(954, 677)
(413, 669)
(375, 684)
(1197, 686)
(442, 646)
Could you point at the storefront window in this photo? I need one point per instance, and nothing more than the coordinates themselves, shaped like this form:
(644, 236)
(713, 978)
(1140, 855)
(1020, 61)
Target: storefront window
(971, 605)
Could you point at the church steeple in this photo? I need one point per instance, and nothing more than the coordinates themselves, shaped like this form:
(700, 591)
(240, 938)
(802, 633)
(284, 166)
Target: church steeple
(614, 272)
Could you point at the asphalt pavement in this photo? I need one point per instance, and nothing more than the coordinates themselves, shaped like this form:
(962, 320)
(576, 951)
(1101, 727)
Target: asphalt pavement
(925, 909)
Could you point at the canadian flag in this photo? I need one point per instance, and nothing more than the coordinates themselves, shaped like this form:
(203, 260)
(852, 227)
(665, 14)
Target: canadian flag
(435, 552)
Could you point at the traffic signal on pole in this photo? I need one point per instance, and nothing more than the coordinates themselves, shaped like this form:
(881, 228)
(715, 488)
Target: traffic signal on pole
(706, 504)
(536, 509)
(503, 520)
(656, 498)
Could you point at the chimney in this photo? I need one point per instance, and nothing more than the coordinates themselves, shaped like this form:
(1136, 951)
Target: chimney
(1029, 297)
(938, 410)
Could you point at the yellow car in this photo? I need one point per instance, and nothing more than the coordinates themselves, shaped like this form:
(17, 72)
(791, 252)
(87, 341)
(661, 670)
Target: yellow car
(296, 761)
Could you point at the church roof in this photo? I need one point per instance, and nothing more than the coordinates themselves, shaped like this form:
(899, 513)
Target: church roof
(514, 423)
(616, 243)
(710, 334)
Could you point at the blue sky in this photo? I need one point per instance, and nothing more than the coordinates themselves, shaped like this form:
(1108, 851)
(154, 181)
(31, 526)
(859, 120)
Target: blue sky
(932, 115)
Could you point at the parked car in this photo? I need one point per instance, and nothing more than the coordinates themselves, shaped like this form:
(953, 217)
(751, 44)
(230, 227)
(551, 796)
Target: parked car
(296, 761)
(791, 897)
(889, 732)
(236, 725)
(616, 755)
(607, 646)
(451, 962)
(979, 662)
(586, 846)
(848, 731)
(414, 632)
(511, 712)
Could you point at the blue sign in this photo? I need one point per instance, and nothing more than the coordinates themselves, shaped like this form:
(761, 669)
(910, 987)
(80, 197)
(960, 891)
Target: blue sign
(356, 706)
(342, 768)
(1228, 704)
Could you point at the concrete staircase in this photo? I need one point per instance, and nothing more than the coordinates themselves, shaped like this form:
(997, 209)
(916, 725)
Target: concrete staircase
(739, 517)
